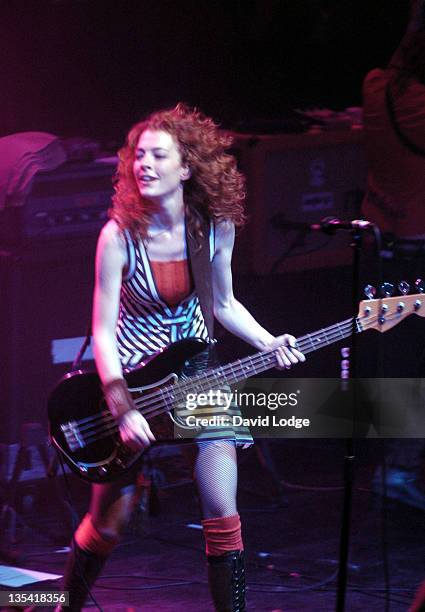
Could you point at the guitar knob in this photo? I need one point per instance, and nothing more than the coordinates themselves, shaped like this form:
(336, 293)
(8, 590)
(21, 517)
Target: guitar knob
(420, 285)
(404, 287)
(369, 291)
(387, 289)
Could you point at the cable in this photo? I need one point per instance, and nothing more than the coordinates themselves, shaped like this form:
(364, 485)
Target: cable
(369, 591)
(300, 487)
(298, 241)
(311, 587)
(147, 588)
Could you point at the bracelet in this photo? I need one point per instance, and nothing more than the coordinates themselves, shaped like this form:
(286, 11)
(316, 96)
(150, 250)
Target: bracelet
(118, 397)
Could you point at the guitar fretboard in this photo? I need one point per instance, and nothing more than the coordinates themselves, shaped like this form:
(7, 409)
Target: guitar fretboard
(241, 369)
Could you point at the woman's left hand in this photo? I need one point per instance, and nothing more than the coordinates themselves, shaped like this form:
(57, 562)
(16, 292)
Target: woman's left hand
(286, 352)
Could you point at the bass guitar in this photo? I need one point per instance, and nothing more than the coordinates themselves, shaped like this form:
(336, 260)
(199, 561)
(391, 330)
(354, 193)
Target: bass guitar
(86, 434)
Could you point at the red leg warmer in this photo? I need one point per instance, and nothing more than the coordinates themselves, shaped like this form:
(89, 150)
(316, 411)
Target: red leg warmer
(222, 534)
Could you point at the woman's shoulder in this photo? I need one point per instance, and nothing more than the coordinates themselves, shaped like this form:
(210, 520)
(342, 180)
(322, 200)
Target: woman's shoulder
(224, 227)
(112, 233)
(224, 231)
(112, 239)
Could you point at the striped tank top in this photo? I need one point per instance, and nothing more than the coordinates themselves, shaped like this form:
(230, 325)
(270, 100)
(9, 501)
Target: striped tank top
(146, 323)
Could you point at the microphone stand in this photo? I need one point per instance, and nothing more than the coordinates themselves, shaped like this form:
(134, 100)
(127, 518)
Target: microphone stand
(349, 458)
(329, 225)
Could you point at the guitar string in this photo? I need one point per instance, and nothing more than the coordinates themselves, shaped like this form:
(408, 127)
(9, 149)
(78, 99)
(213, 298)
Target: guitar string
(112, 427)
(255, 360)
(339, 332)
(228, 367)
(151, 400)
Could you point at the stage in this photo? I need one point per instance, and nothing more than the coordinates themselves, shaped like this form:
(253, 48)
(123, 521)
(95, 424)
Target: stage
(291, 540)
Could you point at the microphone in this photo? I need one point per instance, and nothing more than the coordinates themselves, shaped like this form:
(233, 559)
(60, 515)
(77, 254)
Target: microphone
(328, 225)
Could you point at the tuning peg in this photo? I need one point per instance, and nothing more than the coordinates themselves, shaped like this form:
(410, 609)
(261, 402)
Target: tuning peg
(404, 287)
(420, 285)
(387, 289)
(369, 291)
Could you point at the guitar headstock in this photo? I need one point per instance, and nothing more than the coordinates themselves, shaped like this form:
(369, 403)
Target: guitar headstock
(385, 313)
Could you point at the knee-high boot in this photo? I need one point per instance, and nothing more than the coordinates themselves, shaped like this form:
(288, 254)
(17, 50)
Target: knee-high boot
(226, 578)
(82, 569)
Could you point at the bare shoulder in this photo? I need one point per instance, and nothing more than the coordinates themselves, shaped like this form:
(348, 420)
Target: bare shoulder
(111, 243)
(111, 233)
(224, 234)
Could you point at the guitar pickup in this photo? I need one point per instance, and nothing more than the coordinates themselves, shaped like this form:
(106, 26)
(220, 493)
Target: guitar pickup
(71, 431)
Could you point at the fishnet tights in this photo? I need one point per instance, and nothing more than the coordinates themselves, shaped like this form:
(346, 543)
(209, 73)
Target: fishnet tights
(215, 473)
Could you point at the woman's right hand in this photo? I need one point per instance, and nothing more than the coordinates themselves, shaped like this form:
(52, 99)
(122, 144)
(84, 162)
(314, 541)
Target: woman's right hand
(135, 431)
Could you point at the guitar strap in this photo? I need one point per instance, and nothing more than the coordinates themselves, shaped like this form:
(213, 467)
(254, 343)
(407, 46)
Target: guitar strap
(200, 264)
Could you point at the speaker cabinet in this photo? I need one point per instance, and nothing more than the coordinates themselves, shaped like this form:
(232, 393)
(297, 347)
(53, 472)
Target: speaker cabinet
(46, 297)
(303, 178)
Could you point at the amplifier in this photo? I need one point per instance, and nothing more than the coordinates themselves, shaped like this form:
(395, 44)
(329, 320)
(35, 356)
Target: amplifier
(71, 200)
(45, 310)
(303, 178)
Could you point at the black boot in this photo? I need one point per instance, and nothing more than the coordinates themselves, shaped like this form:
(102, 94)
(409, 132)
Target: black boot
(226, 577)
(81, 571)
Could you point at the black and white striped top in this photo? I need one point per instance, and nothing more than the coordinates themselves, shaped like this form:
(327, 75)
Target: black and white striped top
(146, 323)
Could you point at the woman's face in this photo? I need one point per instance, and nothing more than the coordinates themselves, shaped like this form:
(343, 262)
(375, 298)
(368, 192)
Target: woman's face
(157, 165)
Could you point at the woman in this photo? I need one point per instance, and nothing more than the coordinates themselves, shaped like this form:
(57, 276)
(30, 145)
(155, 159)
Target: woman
(175, 185)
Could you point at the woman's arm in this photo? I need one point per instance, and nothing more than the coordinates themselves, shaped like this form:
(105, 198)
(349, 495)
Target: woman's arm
(232, 314)
(110, 261)
(111, 258)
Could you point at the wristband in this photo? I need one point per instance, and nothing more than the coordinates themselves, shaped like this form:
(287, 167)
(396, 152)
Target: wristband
(118, 397)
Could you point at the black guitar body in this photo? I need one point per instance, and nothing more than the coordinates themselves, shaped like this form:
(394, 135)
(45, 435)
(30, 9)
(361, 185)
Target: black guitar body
(86, 434)
(84, 431)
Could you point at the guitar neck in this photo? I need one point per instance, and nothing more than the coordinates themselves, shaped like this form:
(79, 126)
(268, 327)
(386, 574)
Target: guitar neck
(381, 314)
(241, 369)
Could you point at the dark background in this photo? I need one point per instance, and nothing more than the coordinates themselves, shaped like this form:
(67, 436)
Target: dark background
(93, 67)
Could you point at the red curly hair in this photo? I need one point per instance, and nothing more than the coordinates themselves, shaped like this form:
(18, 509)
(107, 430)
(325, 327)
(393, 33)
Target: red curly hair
(215, 189)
